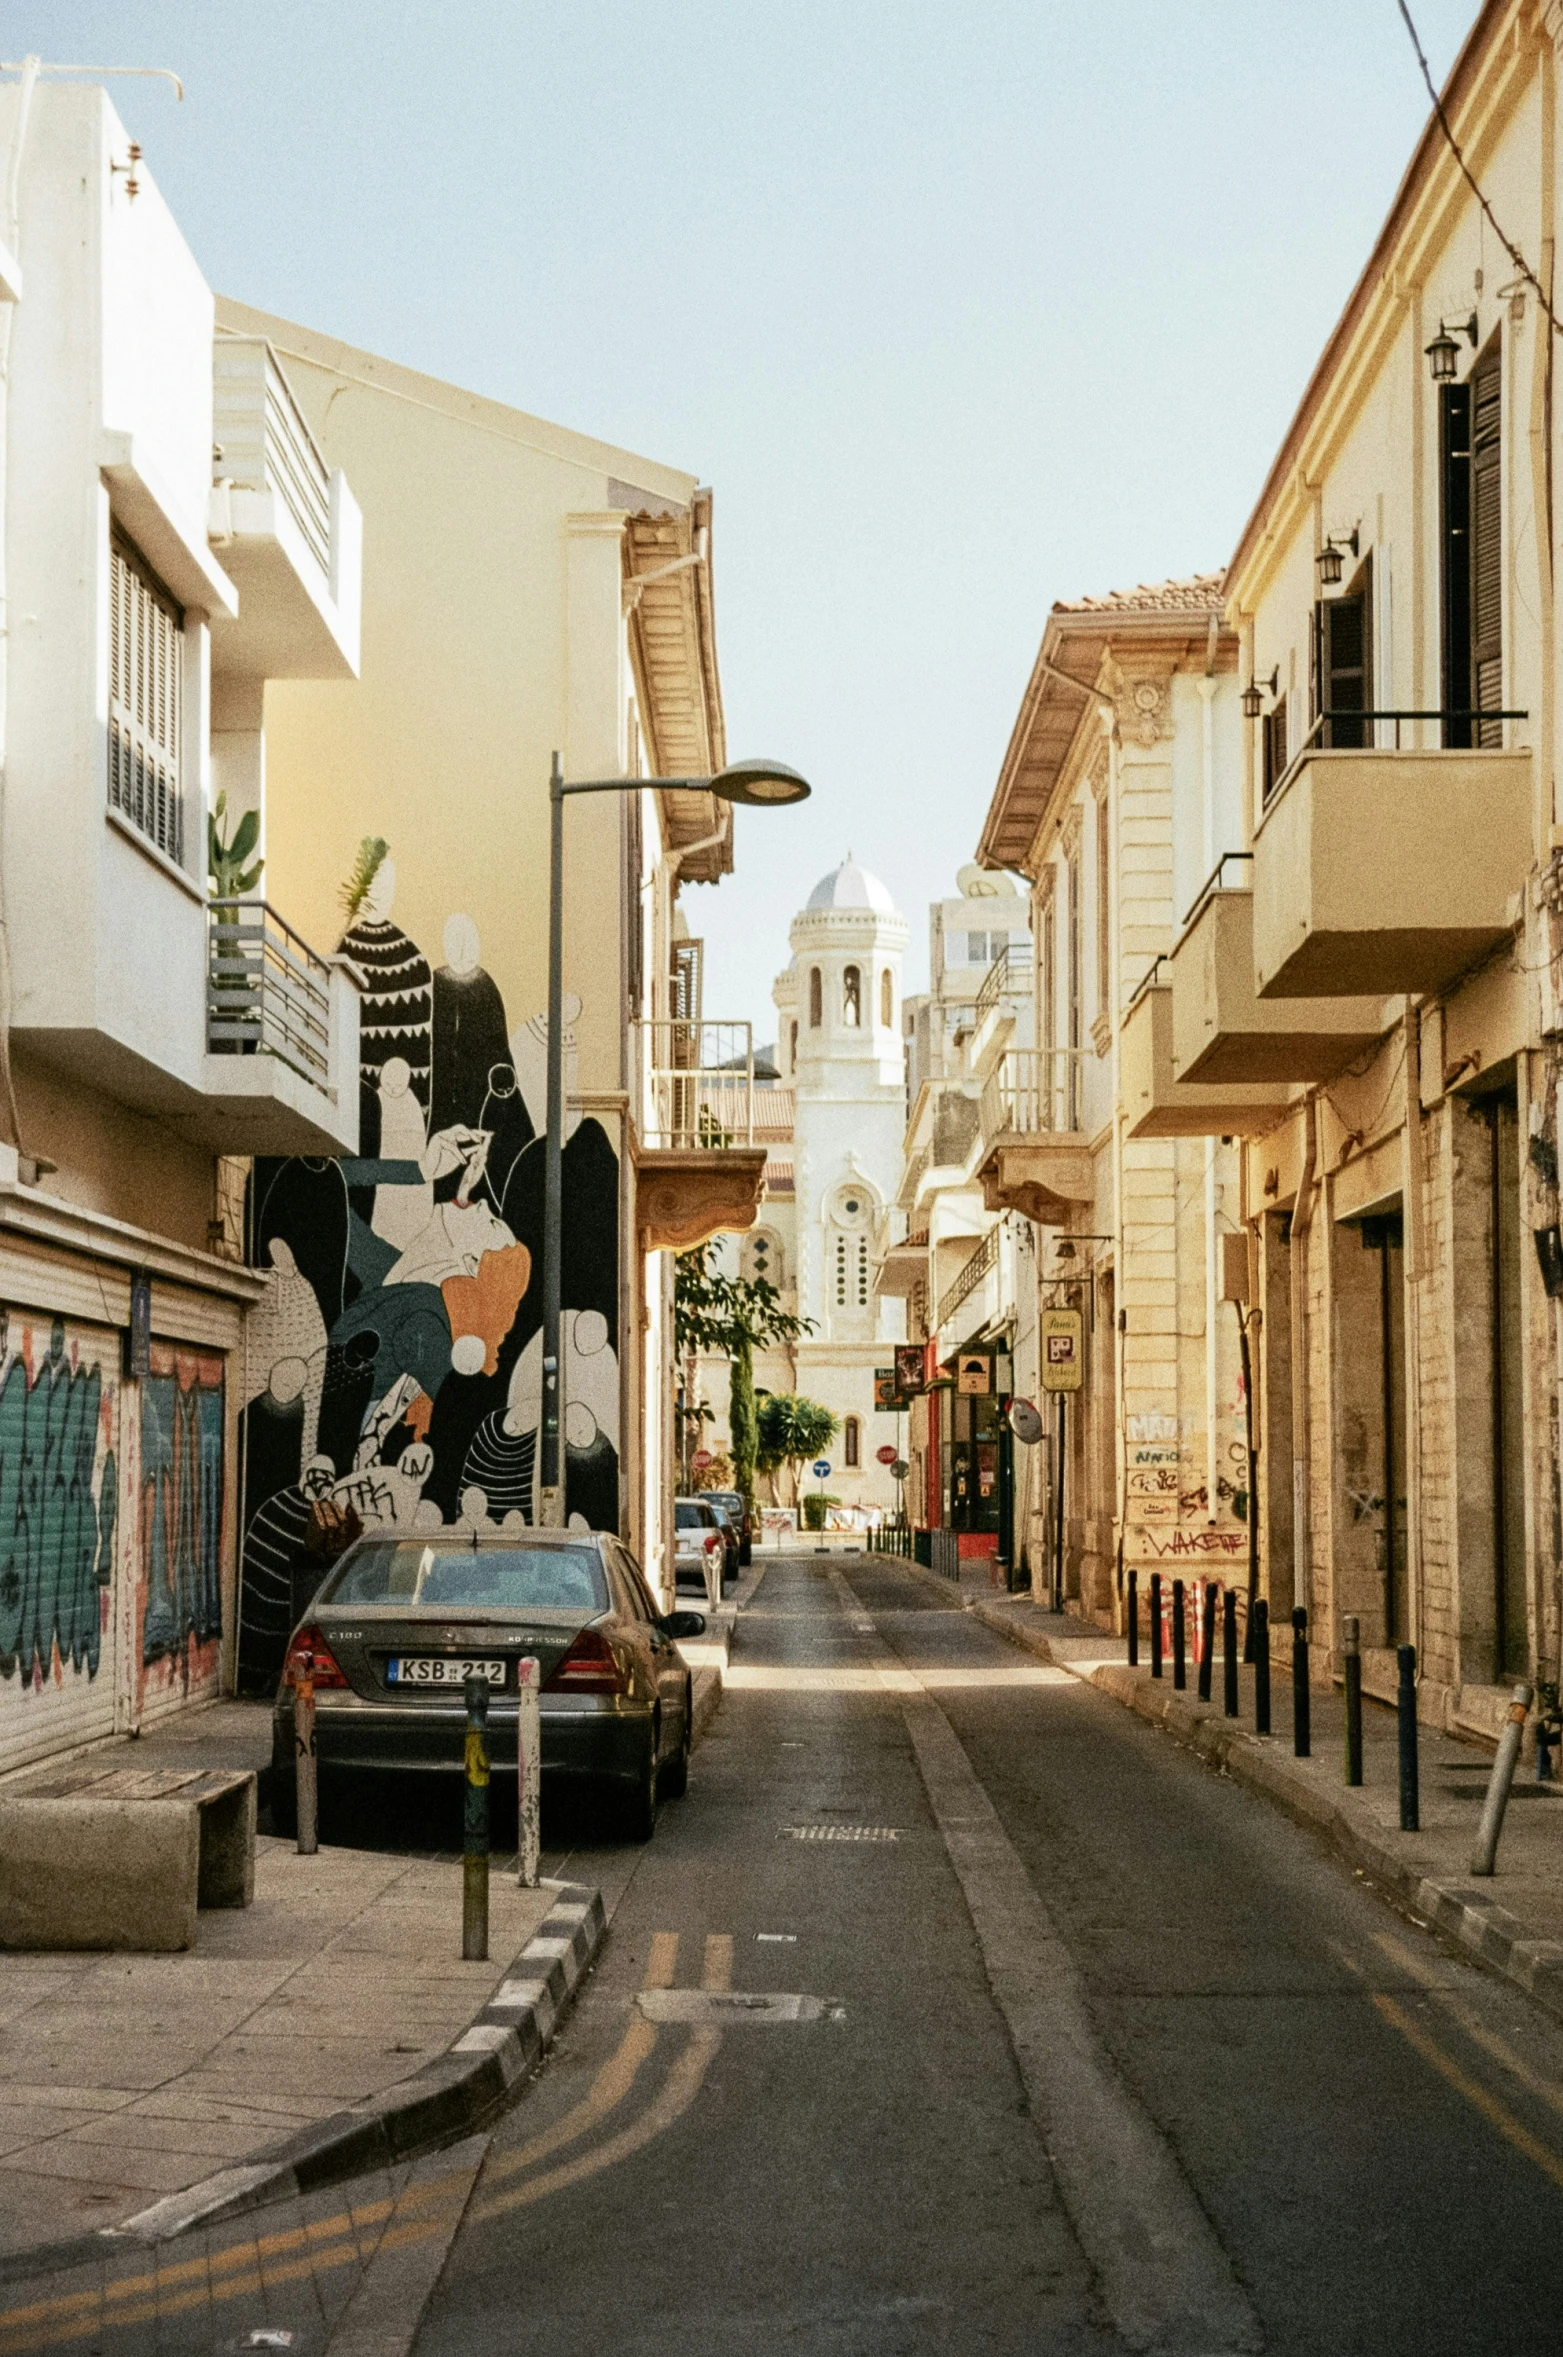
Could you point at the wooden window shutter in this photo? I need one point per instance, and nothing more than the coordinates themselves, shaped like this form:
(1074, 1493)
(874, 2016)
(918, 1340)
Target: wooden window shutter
(1343, 640)
(1455, 551)
(1487, 542)
(1273, 746)
(1104, 938)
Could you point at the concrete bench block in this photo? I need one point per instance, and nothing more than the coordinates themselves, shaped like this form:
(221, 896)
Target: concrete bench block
(92, 1873)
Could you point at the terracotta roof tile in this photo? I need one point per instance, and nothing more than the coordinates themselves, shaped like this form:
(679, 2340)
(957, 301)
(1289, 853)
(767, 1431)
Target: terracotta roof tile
(1194, 595)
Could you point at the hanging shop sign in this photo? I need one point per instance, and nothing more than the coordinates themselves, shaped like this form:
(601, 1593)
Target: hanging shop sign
(1063, 1349)
(888, 1398)
(911, 1369)
(974, 1372)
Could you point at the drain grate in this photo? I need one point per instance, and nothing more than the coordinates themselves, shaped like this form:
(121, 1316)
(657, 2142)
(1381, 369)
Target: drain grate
(840, 1833)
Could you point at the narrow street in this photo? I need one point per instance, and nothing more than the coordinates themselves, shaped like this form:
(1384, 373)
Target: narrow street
(1374, 2131)
(1067, 2044)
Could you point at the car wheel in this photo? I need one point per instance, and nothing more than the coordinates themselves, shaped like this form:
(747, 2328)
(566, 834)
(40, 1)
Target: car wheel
(640, 1804)
(675, 1773)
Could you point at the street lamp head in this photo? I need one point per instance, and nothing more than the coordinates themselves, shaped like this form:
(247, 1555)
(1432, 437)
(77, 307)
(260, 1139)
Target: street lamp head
(764, 783)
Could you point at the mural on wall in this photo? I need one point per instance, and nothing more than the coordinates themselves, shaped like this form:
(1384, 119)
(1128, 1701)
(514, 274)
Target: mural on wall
(181, 1504)
(395, 1362)
(57, 1499)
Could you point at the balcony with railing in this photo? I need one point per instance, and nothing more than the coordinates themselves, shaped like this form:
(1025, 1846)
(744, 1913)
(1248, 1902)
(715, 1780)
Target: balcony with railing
(974, 1273)
(281, 1036)
(1156, 1104)
(701, 1165)
(285, 526)
(1009, 977)
(1222, 1030)
(1389, 853)
(1036, 1156)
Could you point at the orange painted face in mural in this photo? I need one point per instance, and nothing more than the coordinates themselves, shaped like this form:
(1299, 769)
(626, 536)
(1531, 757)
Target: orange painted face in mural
(482, 1308)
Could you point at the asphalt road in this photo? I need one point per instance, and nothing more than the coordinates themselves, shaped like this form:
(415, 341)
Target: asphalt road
(1071, 2045)
(1358, 2137)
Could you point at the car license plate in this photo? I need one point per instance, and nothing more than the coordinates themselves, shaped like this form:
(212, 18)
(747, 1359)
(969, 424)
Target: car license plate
(441, 1669)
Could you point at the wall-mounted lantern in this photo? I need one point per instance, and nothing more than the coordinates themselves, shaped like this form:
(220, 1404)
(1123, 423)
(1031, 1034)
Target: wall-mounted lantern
(1443, 353)
(1331, 559)
(1253, 696)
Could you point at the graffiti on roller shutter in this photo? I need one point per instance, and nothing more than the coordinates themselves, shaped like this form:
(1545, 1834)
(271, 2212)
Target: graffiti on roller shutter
(57, 1502)
(181, 1504)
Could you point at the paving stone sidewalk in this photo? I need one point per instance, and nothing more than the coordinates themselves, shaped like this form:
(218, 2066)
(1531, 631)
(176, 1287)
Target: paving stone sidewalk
(123, 2078)
(1513, 1920)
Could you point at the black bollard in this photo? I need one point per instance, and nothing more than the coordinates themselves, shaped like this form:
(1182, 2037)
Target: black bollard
(1207, 1646)
(1155, 1624)
(1261, 1650)
(474, 1829)
(1229, 1654)
(1302, 1713)
(1180, 1674)
(1405, 1713)
(1351, 1662)
(1134, 1620)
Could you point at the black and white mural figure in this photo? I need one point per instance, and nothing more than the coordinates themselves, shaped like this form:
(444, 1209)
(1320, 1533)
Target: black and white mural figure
(396, 1355)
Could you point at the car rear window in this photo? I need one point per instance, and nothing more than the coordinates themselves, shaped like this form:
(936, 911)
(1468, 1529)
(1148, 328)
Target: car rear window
(690, 1518)
(524, 1579)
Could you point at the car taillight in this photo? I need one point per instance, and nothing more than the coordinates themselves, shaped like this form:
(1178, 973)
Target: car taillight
(713, 1542)
(590, 1667)
(326, 1671)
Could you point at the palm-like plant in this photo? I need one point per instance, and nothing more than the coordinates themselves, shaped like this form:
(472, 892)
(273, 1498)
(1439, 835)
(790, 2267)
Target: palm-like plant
(225, 861)
(373, 852)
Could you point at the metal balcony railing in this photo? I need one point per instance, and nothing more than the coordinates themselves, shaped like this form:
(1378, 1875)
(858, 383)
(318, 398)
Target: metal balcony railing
(1032, 1091)
(697, 1083)
(1374, 729)
(962, 1287)
(1009, 976)
(267, 993)
(263, 443)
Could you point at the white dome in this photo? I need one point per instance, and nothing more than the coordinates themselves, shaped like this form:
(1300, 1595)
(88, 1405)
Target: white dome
(850, 886)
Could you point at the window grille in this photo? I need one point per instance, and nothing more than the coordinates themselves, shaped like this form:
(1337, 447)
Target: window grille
(146, 701)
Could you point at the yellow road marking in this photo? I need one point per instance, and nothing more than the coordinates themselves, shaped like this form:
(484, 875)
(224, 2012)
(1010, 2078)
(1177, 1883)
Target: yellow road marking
(612, 2083)
(1545, 2090)
(682, 2084)
(1496, 2114)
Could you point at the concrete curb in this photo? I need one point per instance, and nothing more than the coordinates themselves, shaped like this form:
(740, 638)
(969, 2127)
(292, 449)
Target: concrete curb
(438, 2105)
(708, 1701)
(1480, 1924)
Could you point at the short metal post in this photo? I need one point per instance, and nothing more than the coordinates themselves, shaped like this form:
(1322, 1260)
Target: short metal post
(1229, 1653)
(1351, 1660)
(1405, 1713)
(1134, 1620)
(1180, 1667)
(474, 1828)
(1207, 1640)
(1156, 1624)
(1302, 1701)
(1261, 1651)
(714, 1566)
(1484, 1858)
(304, 1757)
(529, 1764)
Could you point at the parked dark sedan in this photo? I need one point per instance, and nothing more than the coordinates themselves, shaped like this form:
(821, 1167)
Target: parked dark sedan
(400, 1622)
(732, 1505)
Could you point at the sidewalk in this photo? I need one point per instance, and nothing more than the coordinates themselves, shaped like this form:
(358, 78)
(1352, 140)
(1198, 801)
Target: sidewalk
(1513, 1921)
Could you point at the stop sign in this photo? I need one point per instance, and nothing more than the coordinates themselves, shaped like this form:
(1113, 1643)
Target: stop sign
(886, 1455)
(701, 1459)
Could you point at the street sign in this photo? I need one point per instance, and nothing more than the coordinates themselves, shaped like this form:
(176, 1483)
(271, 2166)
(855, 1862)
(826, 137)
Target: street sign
(1025, 1421)
(1063, 1349)
(900, 1469)
(821, 1468)
(886, 1455)
(886, 1397)
(701, 1459)
(974, 1372)
(911, 1369)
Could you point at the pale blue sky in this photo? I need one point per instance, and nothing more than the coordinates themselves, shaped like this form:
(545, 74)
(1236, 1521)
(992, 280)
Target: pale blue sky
(961, 306)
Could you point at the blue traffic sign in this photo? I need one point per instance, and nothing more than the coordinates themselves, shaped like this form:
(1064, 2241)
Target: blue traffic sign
(821, 1468)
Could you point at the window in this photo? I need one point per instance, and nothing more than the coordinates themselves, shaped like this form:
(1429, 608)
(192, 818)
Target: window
(1342, 663)
(851, 1272)
(1050, 973)
(1472, 530)
(762, 1257)
(852, 997)
(816, 999)
(852, 1442)
(1104, 936)
(886, 1001)
(976, 949)
(146, 700)
(1273, 748)
(792, 1052)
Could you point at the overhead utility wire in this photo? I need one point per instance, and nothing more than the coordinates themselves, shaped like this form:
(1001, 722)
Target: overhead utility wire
(1498, 230)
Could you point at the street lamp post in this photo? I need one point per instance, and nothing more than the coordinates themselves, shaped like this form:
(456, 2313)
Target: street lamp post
(761, 784)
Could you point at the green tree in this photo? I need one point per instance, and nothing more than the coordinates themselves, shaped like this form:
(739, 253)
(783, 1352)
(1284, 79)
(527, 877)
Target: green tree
(792, 1430)
(733, 1316)
(226, 862)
